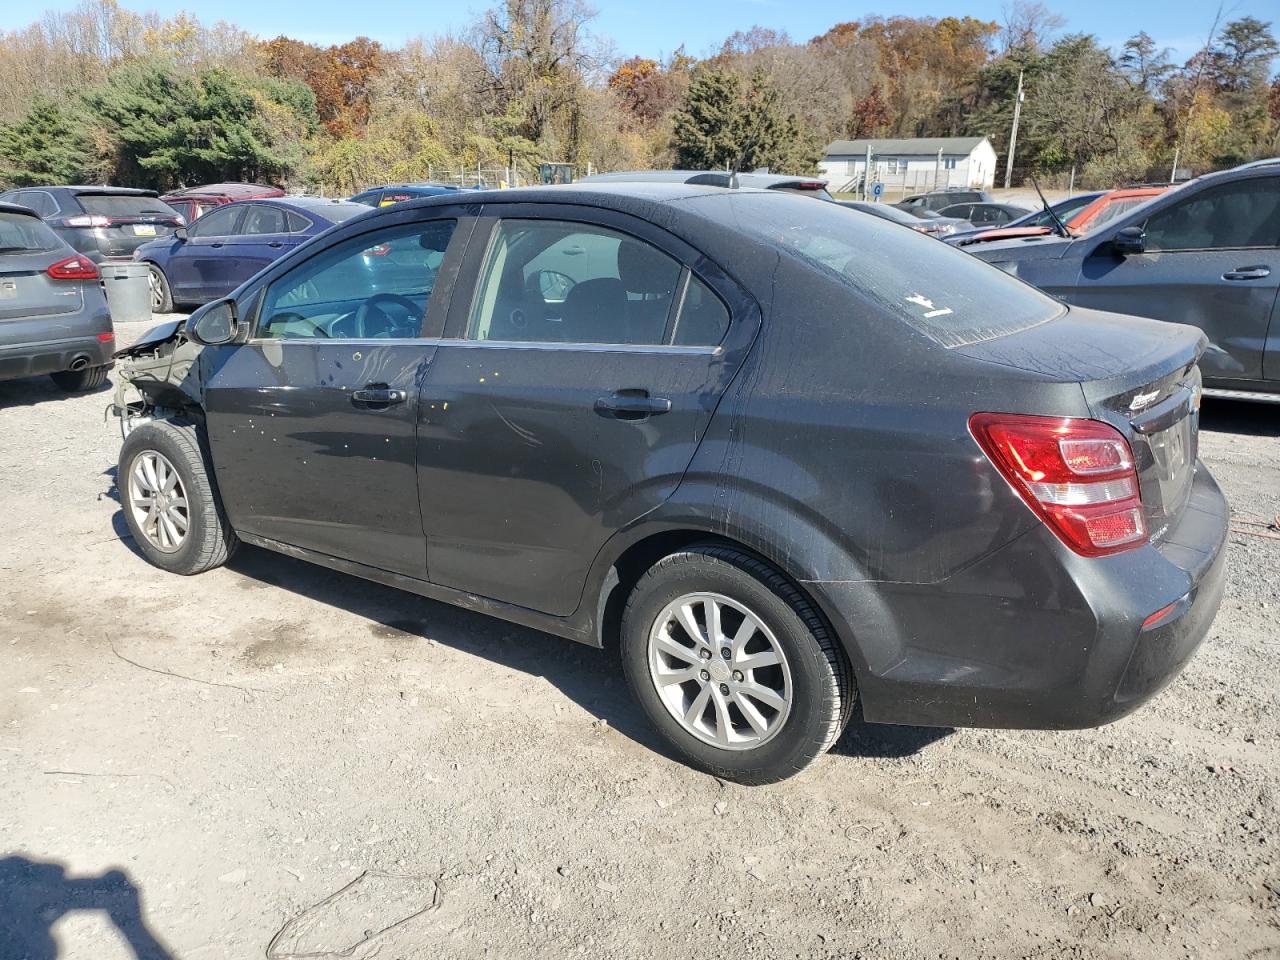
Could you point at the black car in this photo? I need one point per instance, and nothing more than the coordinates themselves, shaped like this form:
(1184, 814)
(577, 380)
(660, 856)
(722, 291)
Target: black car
(1205, 254)
(985, 214)
(100, 222)
(806, 186)
(887, 211)
(788, 455)
(938, 200)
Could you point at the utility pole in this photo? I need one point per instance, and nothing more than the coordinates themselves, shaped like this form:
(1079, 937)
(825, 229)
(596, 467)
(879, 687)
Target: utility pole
(937, 167)
(866, 175)
(1013, 134)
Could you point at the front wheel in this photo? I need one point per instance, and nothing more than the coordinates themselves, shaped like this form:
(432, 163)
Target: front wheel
(733, 666)
(161, 296)
(170, 498)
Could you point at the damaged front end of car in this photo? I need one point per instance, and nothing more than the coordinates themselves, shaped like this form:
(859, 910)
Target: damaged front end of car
(158, 377)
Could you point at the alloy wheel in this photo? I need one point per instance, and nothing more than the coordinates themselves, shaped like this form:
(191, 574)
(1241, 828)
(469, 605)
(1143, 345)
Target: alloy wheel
(720, 671)
(158, 501)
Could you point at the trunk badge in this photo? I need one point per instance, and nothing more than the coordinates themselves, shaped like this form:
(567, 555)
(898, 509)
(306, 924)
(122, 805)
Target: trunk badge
(1142, 400)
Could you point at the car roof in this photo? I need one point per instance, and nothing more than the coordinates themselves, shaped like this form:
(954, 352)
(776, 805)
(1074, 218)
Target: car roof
(237, 190)
(421, 185)
(304, 204)
(760, 180)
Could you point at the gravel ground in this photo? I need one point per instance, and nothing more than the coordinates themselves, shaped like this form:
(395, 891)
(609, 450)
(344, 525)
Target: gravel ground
(277, 750)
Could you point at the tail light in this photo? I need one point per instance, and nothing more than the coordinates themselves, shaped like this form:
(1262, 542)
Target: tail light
(87, 220)
(73, 268)
(1077, 475)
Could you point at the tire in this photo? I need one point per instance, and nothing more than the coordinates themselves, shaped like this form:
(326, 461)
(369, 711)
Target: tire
(161, 295)
(78, 381)
(812, 671)
(208, 540)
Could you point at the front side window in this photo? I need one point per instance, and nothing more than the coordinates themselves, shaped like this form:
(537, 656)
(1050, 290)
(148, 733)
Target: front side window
(220, 223)
(560, 282)
(1235, 215)
(375, 286)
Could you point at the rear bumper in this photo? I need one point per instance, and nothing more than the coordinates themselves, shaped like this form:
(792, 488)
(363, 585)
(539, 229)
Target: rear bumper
(1035, 636)
(53, 356)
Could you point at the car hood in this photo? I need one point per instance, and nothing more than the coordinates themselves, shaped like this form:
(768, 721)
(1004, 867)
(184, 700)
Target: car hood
(1048, 247)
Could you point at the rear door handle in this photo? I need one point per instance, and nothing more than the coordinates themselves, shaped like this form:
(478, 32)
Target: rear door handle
(1256, 272)
(215, 244)
(275, 243)
(632, 404)
(381, 396)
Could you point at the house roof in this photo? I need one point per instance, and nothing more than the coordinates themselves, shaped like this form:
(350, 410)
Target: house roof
(914, 146)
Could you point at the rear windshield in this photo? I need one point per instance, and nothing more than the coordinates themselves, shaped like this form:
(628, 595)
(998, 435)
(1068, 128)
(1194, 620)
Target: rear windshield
(948, 295)
(117, 205)
(20, 233)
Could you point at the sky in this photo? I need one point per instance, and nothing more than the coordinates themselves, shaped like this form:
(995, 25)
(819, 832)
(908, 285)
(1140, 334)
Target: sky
(654, 28)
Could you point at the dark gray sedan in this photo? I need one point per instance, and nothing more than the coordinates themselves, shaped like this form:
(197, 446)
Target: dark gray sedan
(53, 313)
(788, 456)
(1205, 254)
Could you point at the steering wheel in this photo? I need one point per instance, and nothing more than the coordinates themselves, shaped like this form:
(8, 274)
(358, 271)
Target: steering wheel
(408, 327)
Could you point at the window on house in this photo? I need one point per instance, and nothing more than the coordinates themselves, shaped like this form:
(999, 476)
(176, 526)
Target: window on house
(948, 163)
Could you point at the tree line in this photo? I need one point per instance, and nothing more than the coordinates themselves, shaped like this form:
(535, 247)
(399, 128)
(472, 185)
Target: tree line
(103, 94)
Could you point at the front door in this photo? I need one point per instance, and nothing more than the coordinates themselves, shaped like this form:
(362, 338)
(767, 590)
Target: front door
(569, 397)
(1212, 260)
(312, 422)
(200, 268)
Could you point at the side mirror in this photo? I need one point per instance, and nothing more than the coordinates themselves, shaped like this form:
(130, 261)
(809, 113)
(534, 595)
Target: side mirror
(214, 325)
(1129, 240)
(181, 234)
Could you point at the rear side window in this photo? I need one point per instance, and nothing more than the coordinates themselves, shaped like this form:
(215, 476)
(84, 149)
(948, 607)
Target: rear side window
(260, 219)
(948, 295)
(1241, 214)
(20, 233)
(116, 205)
(219, 223)
(297, 222)
(703, 319)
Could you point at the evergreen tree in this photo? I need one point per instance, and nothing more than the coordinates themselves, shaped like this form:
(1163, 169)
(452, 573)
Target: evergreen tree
(48, 146)
(707, 127)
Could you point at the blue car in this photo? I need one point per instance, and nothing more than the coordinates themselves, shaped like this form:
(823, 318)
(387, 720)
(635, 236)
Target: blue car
(229, 244)
(392, 193)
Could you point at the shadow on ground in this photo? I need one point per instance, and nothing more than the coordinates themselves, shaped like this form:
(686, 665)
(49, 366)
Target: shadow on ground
(29, 391)
(592, 678)
(1240, 416)
(35, 895)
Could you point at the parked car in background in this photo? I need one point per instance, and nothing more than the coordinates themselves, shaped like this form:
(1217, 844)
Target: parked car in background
(809, 186)
(100, 222)
(887, 211)
(935, 224)
(582, 412)
(53, 313)
(1205, 254)
(232, 242)
(385, 196)
(991, 214)
(1063, 209)
(1090, 215)
(937, 200)
(194, 202)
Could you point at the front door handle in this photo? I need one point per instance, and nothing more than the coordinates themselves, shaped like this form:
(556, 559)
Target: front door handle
(378, 396)
(632, 404)
(1256, 272)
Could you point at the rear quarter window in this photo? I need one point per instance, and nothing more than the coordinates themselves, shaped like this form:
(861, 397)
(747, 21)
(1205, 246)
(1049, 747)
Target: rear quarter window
(948, 295)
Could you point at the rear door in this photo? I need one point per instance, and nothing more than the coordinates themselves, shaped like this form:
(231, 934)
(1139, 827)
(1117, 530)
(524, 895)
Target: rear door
(262, 236)
(202, 268)
(569, 397)
(312, 422)
(1212, 260)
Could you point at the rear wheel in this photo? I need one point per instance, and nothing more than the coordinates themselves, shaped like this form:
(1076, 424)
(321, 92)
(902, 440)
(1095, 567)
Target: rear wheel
(733, 666)
(171, 500)
(161, 296)
(77, 381)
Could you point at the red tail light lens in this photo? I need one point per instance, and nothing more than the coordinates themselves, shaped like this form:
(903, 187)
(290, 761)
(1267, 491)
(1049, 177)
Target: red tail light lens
(73, 268)
(1077, 475)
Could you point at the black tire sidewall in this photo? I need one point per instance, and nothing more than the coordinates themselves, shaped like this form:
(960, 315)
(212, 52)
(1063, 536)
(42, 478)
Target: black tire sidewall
(802, 737)
(159, 437)
(166, 293)
(78, 381)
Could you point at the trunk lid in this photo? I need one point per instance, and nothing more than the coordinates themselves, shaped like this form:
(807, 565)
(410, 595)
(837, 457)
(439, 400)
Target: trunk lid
(1138, 375)
(28, 292)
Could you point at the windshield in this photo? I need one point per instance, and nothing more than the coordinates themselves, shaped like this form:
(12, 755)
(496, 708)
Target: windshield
(125, 205)
(950, 296)
(20, 233)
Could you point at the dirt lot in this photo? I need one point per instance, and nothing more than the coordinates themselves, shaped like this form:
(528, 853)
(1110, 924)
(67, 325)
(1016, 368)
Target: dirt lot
(243, 745)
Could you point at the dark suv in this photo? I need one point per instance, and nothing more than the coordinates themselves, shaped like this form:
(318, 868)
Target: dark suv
(1206, 254)
(789, 456)
(100, 222)
(939, 200)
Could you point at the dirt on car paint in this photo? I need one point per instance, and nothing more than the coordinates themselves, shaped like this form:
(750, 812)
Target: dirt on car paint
(280, 759)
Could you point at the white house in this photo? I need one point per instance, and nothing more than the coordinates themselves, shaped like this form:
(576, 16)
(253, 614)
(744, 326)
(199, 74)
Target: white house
(911, 165)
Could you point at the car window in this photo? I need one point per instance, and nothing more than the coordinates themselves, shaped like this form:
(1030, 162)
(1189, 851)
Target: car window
(950, 296)
(1114, 209)
(260, 218)
(21, 233)
(37, 200)
(555, 281)
(1241, 214)
(377, 285)
(297, 222)
(369, 198)
(220, 223)
(123, 205)
(703, 319)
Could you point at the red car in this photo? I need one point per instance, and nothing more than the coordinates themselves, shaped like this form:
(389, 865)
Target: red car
(193, 202)
(1106, 207)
